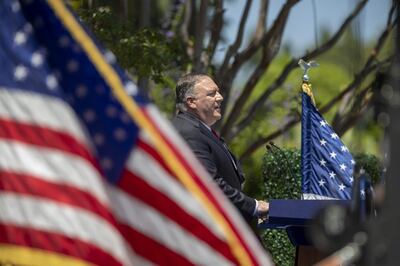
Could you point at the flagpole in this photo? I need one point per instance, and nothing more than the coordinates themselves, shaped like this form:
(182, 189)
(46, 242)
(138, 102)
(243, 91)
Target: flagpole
(306, 86)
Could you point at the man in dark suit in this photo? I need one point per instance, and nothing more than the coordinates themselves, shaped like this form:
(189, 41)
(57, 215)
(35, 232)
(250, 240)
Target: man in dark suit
(198, 103)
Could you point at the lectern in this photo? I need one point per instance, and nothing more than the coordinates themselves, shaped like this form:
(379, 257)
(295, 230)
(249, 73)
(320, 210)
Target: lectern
(295, 216)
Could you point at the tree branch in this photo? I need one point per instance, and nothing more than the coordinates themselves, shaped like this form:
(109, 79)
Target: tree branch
(239, 37)
(226, 76)
(248, 52)
(375, 52)
(270, 50)
(381, 40)
(352, 119)
(183, 29)
(217, 23)
(201, 23)
(356, 82)
(262, 21)
(261, 141)
(288, 69)
(261, 100)
(294, 120)
(360, 105)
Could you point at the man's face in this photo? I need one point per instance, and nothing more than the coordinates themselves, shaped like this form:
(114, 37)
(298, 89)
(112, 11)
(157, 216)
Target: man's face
(207, 101)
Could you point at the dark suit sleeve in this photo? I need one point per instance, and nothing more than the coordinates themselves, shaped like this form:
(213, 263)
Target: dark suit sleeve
(244, 203)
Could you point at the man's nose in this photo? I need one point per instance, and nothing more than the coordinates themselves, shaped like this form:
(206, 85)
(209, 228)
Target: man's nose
(219, 97)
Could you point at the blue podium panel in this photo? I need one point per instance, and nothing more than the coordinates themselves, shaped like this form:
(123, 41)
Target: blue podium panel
(295, 216)
(297, 212)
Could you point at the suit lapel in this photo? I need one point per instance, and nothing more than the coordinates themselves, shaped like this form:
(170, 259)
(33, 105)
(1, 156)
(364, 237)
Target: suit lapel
(204, 130)
(220, 142)
(209, 134)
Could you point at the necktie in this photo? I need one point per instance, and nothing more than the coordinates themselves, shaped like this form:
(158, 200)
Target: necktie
(225, 146)
(215, 133)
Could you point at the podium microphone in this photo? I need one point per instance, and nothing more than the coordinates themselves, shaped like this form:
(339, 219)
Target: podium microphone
(273, 148)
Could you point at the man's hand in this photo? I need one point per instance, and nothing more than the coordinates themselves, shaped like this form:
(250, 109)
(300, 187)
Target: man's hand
(262, 208)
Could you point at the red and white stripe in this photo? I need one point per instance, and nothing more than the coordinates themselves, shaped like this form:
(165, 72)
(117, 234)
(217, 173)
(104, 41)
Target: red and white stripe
(52, 196)
(51, 190)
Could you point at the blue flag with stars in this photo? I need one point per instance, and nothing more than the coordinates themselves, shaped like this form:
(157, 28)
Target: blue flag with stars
(326, 163)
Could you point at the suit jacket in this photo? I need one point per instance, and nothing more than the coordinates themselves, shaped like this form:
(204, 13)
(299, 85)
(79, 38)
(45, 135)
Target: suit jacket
(217, 159)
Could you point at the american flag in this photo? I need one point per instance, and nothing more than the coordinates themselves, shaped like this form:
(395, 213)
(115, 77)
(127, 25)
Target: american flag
(90, 171)
(326, 163)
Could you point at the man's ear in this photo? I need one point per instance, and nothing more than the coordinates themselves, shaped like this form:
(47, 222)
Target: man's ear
(190, 102)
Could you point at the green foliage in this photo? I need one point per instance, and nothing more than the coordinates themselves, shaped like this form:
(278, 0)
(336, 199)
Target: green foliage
(164, 95)
(279, 246)
(253, 177)
(280, 185)
(371, 164)
(144, 52)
